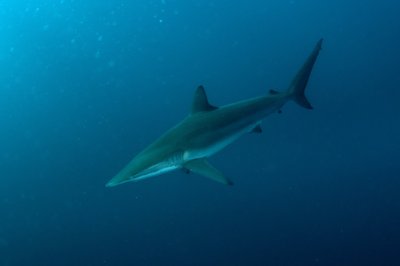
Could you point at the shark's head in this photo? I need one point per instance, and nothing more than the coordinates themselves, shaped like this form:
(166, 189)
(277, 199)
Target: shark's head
(145, 165)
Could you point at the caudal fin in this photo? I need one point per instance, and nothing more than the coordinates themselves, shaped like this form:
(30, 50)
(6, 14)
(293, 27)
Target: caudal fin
(299, 82)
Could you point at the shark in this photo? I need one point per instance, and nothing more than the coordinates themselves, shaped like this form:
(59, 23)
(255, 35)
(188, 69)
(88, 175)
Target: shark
(208, 129)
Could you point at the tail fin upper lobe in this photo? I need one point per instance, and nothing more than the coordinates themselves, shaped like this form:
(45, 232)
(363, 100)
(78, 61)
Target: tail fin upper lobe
(299, 82)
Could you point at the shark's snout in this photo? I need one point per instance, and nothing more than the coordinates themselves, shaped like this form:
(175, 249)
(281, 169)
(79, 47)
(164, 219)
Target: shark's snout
(114, 182)
(118, 180)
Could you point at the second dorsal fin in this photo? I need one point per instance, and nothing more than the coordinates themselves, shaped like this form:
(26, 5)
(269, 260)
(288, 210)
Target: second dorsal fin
(273, 92)
(200, 101)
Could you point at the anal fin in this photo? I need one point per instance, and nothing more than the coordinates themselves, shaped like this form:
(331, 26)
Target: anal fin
(204, 168)
(257, 129)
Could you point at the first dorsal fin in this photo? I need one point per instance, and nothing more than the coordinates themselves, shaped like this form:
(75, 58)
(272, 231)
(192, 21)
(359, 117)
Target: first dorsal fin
(200, 101)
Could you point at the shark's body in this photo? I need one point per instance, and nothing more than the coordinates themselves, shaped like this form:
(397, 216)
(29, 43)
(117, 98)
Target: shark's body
(209, 129)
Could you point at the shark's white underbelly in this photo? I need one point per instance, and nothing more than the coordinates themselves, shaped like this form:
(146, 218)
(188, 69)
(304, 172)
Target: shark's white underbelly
(215, 147)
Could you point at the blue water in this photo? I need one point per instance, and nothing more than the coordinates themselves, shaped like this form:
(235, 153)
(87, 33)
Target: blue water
(85, 85)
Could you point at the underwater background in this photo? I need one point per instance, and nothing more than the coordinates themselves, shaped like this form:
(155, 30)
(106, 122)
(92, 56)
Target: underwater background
(85, 85)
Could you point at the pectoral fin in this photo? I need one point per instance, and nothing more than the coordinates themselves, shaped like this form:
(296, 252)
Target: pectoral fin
(204, 168)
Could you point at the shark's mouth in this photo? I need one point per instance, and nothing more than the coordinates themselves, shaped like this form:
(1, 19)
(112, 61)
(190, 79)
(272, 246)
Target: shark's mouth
(171, 163)
(153, 171)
